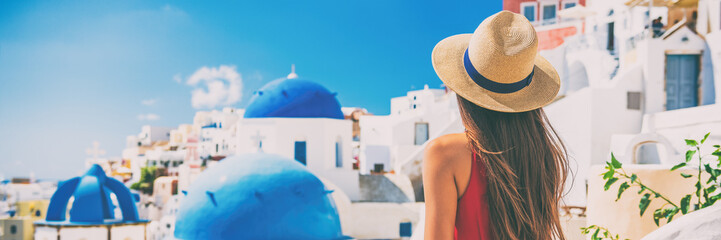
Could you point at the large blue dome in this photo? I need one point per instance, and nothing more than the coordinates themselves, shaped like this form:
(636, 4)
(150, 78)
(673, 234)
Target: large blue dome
(257, 196)
(293, 98)
(92, 204)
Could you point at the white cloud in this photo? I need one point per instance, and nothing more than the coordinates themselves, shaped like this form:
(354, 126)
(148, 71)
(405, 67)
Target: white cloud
(149, 102)
(148, 117)
(215, 87)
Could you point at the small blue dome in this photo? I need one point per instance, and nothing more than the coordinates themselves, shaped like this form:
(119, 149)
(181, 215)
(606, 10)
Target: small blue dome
(92, 204)
(257, 196)
(293, 98)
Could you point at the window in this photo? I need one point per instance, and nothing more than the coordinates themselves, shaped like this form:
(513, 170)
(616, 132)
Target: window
(569, 4)
(300, 152)
(421, 133)
(633, 100)
(338, 155)
(528, 9)
(548, 13)
(611, 37)
(378, 168)
(405, 229)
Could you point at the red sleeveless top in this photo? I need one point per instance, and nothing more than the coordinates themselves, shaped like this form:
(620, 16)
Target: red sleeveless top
(472, 217)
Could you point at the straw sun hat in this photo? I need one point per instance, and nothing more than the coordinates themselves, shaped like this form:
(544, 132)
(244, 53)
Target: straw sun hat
(498, 66)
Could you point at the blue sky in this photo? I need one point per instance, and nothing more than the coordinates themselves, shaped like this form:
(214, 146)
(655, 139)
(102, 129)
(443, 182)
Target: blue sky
(74, 72)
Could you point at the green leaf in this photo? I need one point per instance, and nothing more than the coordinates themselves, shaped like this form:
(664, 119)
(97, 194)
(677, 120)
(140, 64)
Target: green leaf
(712, 172)
(657, 215)
(711, 189)
(716, 153)
(708, 169)
(641, 190)
(691, 142)
(670, 217)
(685, 203)
(608, 174)
(717, 146)
(714, 198)
(689, 154)
(633, 178)
(670, 212)
(595, 234)
(621, 189)
(680, 165)
(705, 137)
(609, 183)
(615, 163)
(698, 188)
(643, 204)
(684, 175)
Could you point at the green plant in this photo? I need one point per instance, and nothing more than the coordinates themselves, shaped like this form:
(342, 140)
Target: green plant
(704, 190)
(147, 178)
(600, 233)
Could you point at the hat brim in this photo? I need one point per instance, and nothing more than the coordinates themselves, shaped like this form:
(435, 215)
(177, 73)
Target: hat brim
(448, 63)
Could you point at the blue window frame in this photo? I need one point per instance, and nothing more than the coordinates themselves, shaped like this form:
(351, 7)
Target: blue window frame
(549, 12)
(300, 152)
(569, 5)
(406, 229)
(338, 155)
(529, 11)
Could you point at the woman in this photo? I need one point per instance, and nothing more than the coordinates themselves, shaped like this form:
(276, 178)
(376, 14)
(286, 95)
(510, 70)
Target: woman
(503, 178)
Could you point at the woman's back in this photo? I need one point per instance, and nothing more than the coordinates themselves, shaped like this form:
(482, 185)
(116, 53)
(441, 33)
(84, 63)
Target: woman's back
(452, 156)
(472, 217)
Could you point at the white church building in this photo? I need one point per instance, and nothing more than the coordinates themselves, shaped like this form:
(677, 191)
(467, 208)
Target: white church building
(302, 120)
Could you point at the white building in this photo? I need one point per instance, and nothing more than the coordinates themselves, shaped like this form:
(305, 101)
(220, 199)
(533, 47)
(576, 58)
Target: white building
(396, 141)
(302, 120)
(217, 131)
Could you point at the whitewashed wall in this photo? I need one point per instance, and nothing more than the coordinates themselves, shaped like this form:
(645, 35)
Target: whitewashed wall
(128, 232)
(320, 135)
(586, 120)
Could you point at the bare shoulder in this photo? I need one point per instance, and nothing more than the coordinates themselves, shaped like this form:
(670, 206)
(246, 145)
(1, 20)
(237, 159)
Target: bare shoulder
(445, 149)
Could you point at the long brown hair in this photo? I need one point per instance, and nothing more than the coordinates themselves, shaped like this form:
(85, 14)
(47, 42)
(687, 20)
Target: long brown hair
(526, 165)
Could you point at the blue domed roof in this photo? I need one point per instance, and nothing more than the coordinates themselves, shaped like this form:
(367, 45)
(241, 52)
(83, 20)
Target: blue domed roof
(293, 98)
(257, 196)
(92, 204)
